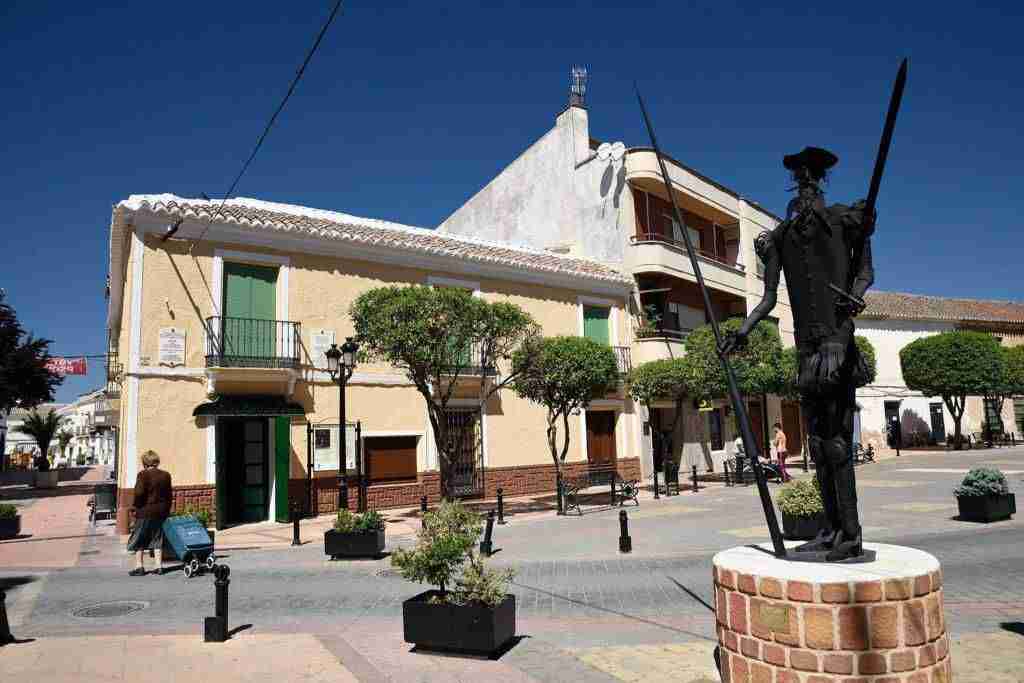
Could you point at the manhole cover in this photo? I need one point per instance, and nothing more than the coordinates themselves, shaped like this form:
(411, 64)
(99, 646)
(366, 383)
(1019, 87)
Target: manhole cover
(111, 609)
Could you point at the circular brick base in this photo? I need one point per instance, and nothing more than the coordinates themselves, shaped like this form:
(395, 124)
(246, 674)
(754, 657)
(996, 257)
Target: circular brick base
(797, 622)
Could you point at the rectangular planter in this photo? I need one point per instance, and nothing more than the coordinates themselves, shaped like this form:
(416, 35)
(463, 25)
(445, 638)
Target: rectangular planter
(986, 508)
(472, 629)
(10, 527)
(46, 480)
(801, 528)
(338, 544)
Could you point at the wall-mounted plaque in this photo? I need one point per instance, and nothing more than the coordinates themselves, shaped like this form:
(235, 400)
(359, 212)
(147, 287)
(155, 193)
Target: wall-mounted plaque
(172, 346)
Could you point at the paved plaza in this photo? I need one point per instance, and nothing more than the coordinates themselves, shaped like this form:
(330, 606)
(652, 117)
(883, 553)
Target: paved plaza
(585, 612)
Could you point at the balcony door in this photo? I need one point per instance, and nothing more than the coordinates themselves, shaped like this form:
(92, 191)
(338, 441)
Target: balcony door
(250, 309)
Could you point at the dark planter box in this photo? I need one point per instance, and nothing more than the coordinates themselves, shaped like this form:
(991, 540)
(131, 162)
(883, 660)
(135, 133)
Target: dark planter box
(801, 528)
(338, 544)
(986, 508)
(169, 553)
(10, 527)
(472, 629)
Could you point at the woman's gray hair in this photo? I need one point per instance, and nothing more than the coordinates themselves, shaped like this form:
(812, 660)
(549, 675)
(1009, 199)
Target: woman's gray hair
(150, 459)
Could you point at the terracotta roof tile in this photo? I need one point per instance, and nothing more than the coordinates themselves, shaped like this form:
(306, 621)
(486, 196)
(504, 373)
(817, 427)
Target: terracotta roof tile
(331, 225)
(921, 307)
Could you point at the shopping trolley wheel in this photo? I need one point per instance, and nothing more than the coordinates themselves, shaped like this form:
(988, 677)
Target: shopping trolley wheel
(210, 561)
(191, 568)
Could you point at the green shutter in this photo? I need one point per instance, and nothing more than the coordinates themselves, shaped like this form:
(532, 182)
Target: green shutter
(250, 294)
(282, 466)
(595, 323)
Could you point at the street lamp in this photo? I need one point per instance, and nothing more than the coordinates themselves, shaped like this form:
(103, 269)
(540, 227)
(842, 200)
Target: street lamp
(340, 364)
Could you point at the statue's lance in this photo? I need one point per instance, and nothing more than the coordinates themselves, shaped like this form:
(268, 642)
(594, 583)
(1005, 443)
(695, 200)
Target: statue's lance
(750, 445)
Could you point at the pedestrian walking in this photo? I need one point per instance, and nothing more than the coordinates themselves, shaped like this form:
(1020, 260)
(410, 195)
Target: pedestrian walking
(152, 505)
(780, 451)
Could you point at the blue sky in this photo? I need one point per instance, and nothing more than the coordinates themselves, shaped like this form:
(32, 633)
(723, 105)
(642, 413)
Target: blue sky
(409, 108)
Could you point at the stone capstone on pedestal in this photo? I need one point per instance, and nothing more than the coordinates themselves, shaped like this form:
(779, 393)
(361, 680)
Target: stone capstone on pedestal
(796, 622)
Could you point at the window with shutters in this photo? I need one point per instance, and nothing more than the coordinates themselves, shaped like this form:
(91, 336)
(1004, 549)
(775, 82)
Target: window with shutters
(596, 323)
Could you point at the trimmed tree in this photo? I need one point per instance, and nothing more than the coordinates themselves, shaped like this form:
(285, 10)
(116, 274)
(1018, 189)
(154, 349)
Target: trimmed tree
(758, 365)
(663, 380)
(1009, 383)
(953, 365)
(563, 374)
(42, 429)
(438, 336)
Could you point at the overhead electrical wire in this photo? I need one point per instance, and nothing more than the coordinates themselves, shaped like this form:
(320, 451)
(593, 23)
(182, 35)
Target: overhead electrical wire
(266, 130)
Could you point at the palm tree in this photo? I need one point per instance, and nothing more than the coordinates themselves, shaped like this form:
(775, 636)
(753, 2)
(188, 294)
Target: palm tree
(64, 437)
(42, 428)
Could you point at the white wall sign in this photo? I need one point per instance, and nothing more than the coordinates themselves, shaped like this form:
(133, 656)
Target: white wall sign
(325, 447)
(172, 346)
(320, 342)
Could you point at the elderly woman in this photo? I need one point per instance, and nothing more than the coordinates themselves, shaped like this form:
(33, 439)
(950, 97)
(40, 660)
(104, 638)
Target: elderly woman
(152, 505)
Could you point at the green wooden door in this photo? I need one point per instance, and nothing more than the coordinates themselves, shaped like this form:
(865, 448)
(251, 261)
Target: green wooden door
(595, 323)
(282, 466)
(250, 309)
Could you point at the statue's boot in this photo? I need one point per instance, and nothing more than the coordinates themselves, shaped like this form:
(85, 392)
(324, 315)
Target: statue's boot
(848, 542)
(845, 548)
(823, 541)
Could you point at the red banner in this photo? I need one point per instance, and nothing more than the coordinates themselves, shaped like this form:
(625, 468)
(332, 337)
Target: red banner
(67, 366)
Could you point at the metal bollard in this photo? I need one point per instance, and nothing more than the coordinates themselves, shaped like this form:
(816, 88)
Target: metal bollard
(5, 626)
(295, 525)
(625, 542)
(807, 466)
(423, 512)
(486, 549)
(695, 479)
(656, 484)
(216, 627)
(501, 506)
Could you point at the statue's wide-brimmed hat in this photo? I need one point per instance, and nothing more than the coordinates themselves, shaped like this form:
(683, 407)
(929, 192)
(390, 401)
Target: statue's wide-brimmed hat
(814, 159)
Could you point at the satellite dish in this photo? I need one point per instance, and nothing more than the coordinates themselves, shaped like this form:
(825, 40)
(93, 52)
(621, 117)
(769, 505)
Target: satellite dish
(618, 151)
(604, 151)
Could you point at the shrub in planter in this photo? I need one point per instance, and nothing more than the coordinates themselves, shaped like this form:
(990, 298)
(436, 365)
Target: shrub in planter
(477, 615)
(984, 496)
(802, 512)
(10, 521)
(355, 535)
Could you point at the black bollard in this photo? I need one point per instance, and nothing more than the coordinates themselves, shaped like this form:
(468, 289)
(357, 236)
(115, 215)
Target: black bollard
(625, 542)
(217, 626)
(807, 466)
(5, 626)
(486, 549)
(295, 525)
(423, 512)
(695, 479)
(656, 484)
(501, 506)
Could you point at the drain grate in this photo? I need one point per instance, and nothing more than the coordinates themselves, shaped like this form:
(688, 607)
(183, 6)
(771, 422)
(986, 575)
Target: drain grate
(111, 609)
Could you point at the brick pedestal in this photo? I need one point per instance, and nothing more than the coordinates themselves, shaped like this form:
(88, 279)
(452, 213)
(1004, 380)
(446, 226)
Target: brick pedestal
(796, 622)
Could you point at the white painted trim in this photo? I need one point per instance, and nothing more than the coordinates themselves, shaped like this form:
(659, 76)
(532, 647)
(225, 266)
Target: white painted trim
(433, 280)
(211, 449)
(131, 462)
(613, 315)
(271, 466)
(155, 371)
(394, 432)
(361, 378)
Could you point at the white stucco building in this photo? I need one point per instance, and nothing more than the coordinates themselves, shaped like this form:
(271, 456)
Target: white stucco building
(92, 420)
(893, 320)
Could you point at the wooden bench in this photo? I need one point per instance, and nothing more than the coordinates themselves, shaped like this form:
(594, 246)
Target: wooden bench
(621, 489)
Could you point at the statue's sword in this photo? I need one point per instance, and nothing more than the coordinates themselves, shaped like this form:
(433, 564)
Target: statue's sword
(883, 154)
(746, 432)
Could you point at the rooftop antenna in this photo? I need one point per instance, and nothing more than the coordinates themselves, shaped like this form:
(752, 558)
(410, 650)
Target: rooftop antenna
(577, 86)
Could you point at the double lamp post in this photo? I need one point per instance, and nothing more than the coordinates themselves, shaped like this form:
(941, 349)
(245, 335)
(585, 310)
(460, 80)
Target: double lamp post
(340, 364)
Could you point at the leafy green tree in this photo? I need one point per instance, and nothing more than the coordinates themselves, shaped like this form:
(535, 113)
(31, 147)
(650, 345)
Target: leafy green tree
(563, 374)
(63, 439)
(1008, 384)
(437, 336)
(953, 365)
(42, 428)
(669, 379)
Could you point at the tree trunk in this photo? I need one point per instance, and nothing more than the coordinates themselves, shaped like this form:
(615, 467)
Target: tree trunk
(552, 434)
(957, 412)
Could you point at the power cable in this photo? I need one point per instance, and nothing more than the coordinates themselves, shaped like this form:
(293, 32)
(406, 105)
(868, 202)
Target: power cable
(270, 124)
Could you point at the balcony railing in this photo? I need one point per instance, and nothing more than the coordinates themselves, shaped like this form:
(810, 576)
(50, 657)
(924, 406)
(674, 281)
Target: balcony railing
(622, 359)
(252, 343)
(470, 361)
(678, 244)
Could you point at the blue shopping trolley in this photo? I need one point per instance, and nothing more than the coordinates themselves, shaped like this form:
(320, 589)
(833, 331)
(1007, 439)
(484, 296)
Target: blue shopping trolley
(190, 542)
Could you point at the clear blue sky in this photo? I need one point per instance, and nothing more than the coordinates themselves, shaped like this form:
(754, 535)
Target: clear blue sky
(408, 109)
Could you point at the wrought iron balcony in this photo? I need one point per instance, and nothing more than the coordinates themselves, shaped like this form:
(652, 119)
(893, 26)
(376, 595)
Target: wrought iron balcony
(470, 362)
(252, 343)
(623, 359)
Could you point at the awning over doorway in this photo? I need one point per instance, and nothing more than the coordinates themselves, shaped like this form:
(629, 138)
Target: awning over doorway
(248, 406)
